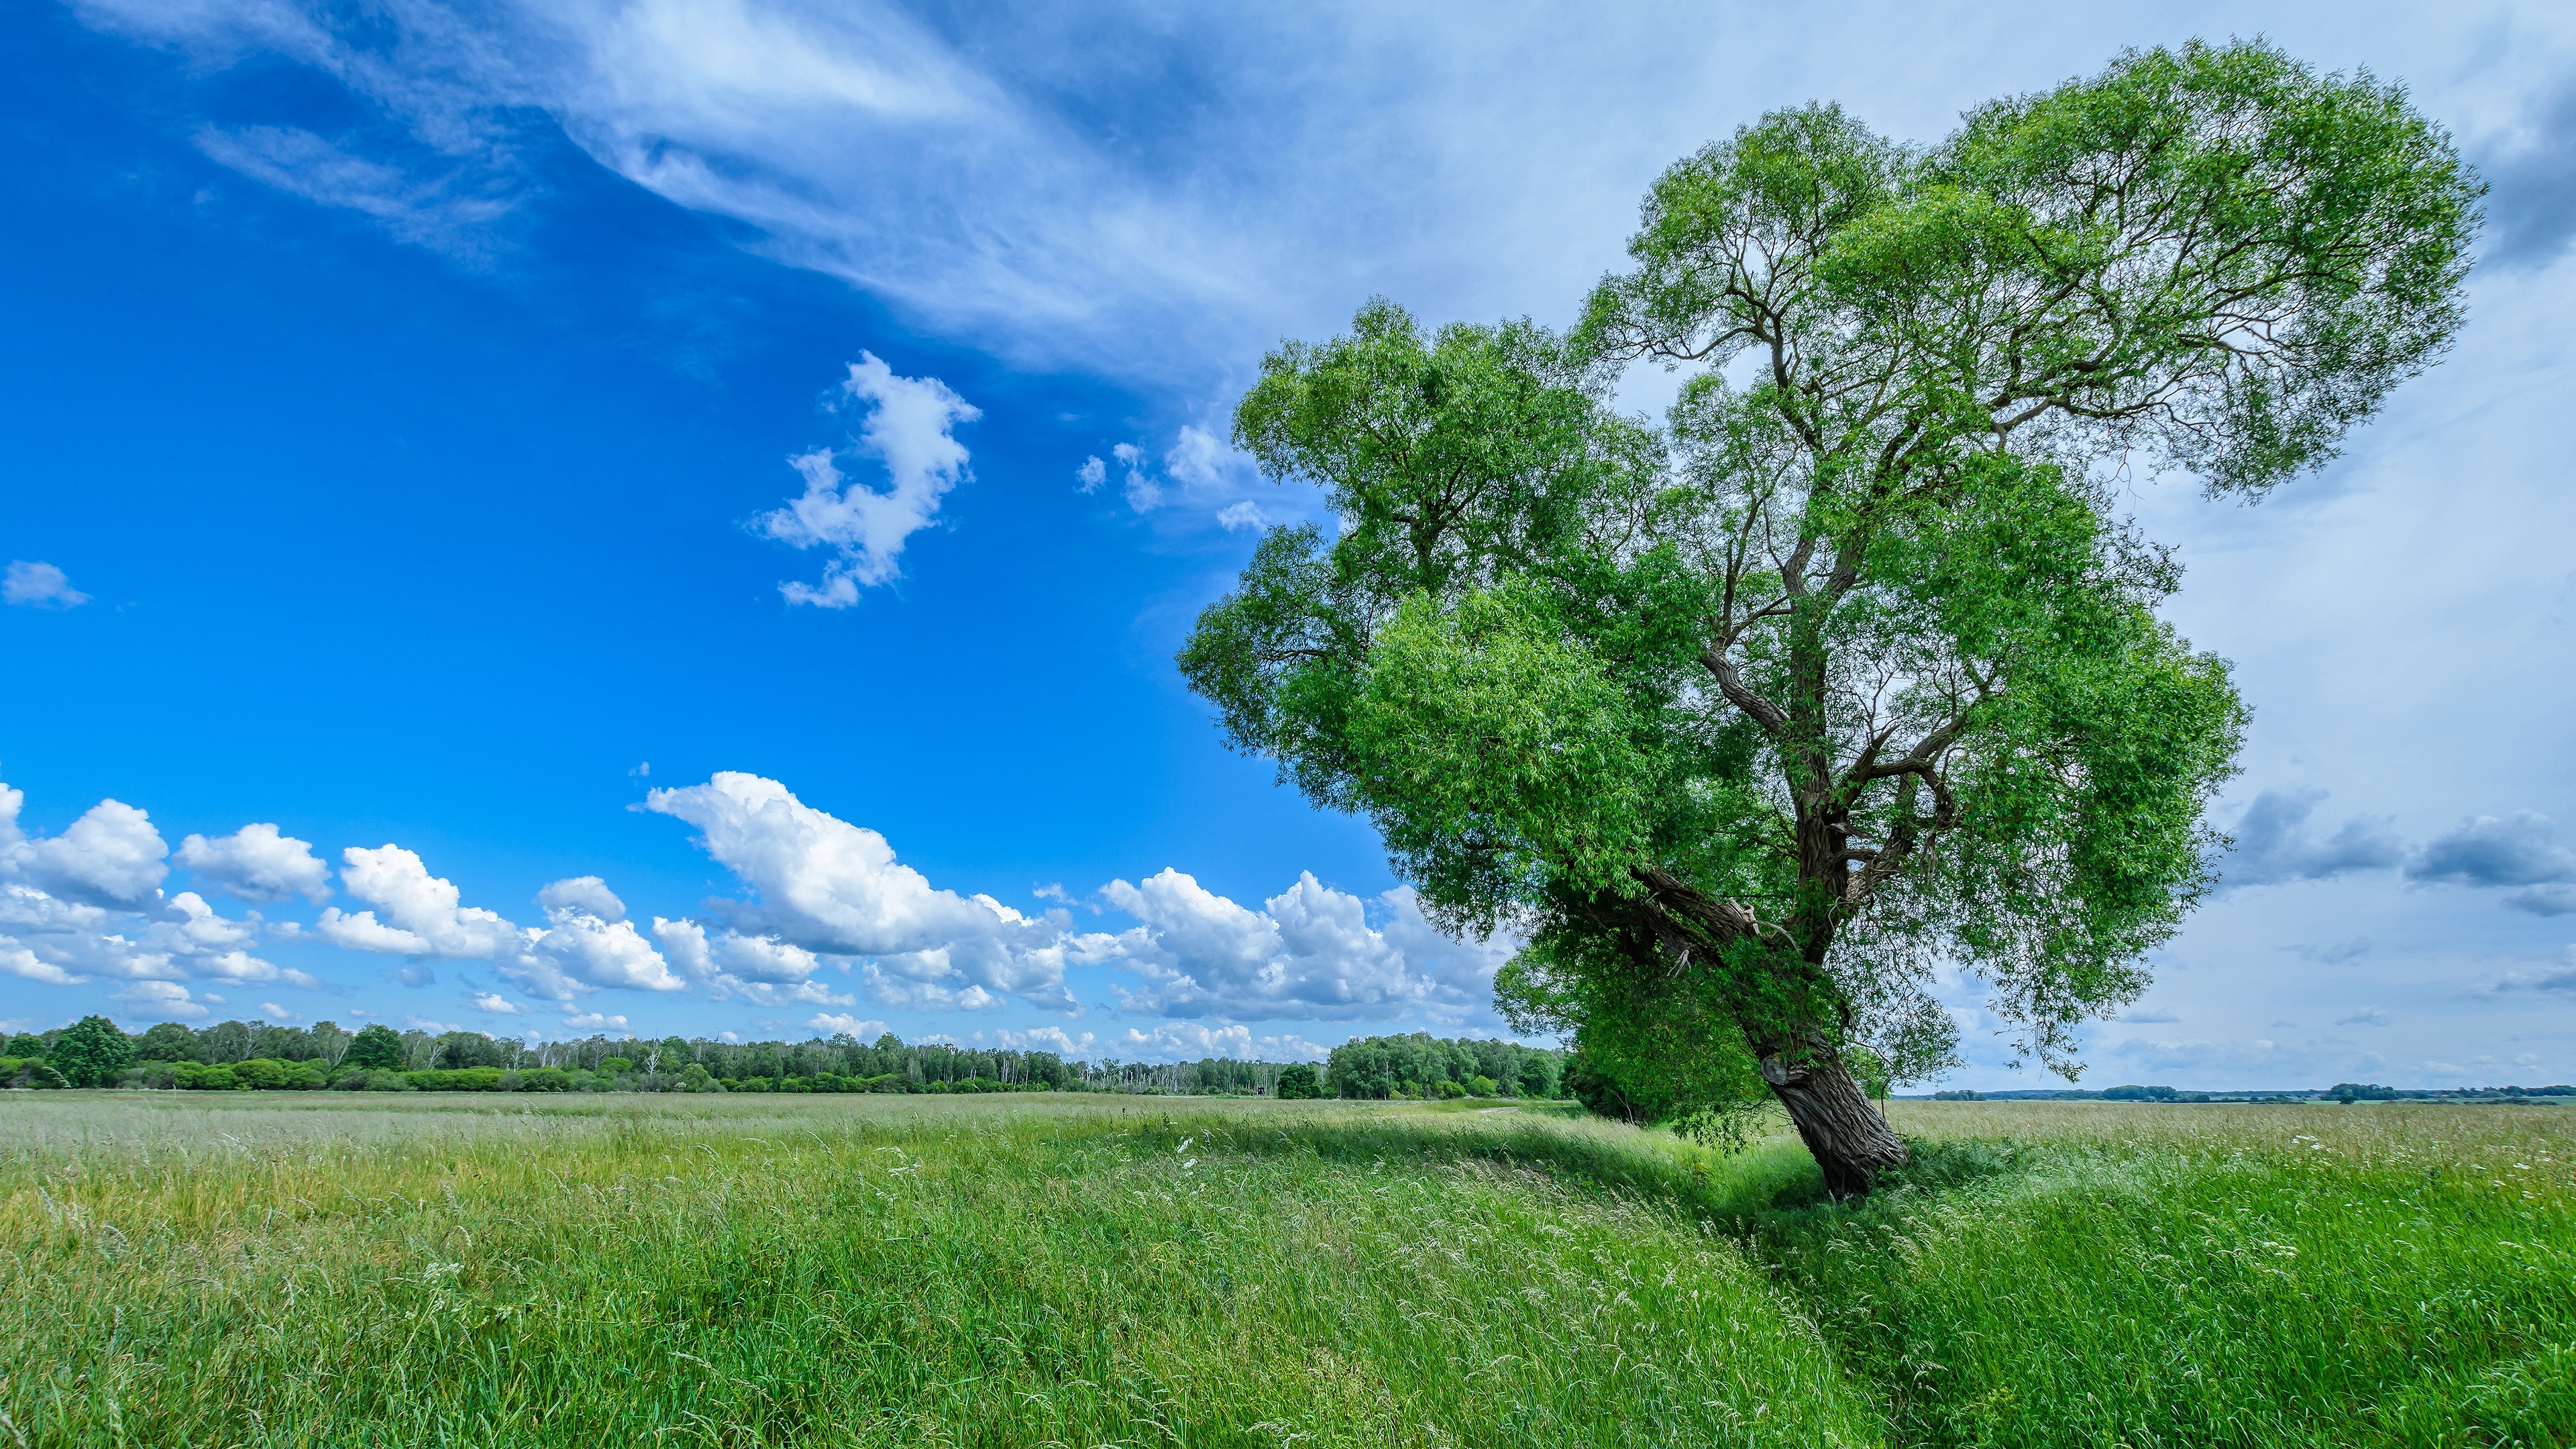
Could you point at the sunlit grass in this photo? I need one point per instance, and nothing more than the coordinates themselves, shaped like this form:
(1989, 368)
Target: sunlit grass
(2087, 1273)
(872, 1270)
(306, 1269)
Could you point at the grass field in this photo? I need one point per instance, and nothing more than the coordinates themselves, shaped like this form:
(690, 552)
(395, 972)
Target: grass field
(206, 1268)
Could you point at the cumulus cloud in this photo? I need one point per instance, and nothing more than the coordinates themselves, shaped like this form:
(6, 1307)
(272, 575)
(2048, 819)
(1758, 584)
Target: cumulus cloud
(494, 1002)
(596, 1021)
(1143, 493)
(587, 943)
(587, 894)
(1199, 458)
(87, 904)
(24, 964)
(257, 863)
(832, 888)
(110, 856)
(1310, 953)
(271, 1011)
(423, 914)
(1166, 1041)
(582, 948)
(2274, 844)
(2515, 849)
(909, 428)
(728, 965)
(39, 585)
(845, 1024)
(1198, 471)
(827, 892)
(166, 1000)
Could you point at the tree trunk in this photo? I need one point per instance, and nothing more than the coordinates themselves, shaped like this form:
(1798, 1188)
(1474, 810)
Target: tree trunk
(1847, 1136)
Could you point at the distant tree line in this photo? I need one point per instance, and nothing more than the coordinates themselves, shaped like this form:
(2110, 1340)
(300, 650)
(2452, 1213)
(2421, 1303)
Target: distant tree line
(1421, 1065)
(258, 1056)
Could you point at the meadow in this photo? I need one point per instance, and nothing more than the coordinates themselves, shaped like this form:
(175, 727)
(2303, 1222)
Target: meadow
(252, 1269)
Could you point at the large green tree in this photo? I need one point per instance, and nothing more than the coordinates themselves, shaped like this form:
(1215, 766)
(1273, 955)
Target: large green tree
(378, 1048)
(1852, 666)
(91, 1052)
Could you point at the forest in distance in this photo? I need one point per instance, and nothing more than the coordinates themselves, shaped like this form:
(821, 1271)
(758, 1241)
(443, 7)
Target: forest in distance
(255, 1055)
(259, 1056)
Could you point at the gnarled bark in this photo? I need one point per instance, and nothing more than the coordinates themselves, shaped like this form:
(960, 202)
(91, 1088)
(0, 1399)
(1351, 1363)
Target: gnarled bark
(1847, 1136)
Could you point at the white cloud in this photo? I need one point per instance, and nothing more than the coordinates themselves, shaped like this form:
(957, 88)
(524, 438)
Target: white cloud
(39, 585)
(762, 970)
(271, 1011)
(166, 1000)
(845, 1024)
(241, 966)
(110, 856)
(1199, 471)
(1310, 954)
(585, 893)
(909, 428)
(22, 963)
(256, 863)
(835, 889)
(925, 991)
(1166, 1041)
(423, 915)
(85, 904)
(1184, 1040)
(580, 950)
(493, 1001)
(595, 1021)
(1044, 1039)
(764, 958)
(1143, 493)
(443, 213)
(588, 949)
(436, 1027)
(1199, 458)
(193, 926)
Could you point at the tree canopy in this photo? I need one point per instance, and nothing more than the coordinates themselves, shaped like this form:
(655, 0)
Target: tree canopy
(1851, 666)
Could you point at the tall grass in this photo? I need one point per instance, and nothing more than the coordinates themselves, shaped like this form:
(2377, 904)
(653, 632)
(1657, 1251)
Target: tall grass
(210, 1269)
(875, 1271)
(2187, 1276)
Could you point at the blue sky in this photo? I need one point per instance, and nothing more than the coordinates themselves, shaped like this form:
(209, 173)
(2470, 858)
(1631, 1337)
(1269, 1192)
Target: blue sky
(406, 407)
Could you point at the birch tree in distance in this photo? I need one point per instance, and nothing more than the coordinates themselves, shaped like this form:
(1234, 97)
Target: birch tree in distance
(1852, 665)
